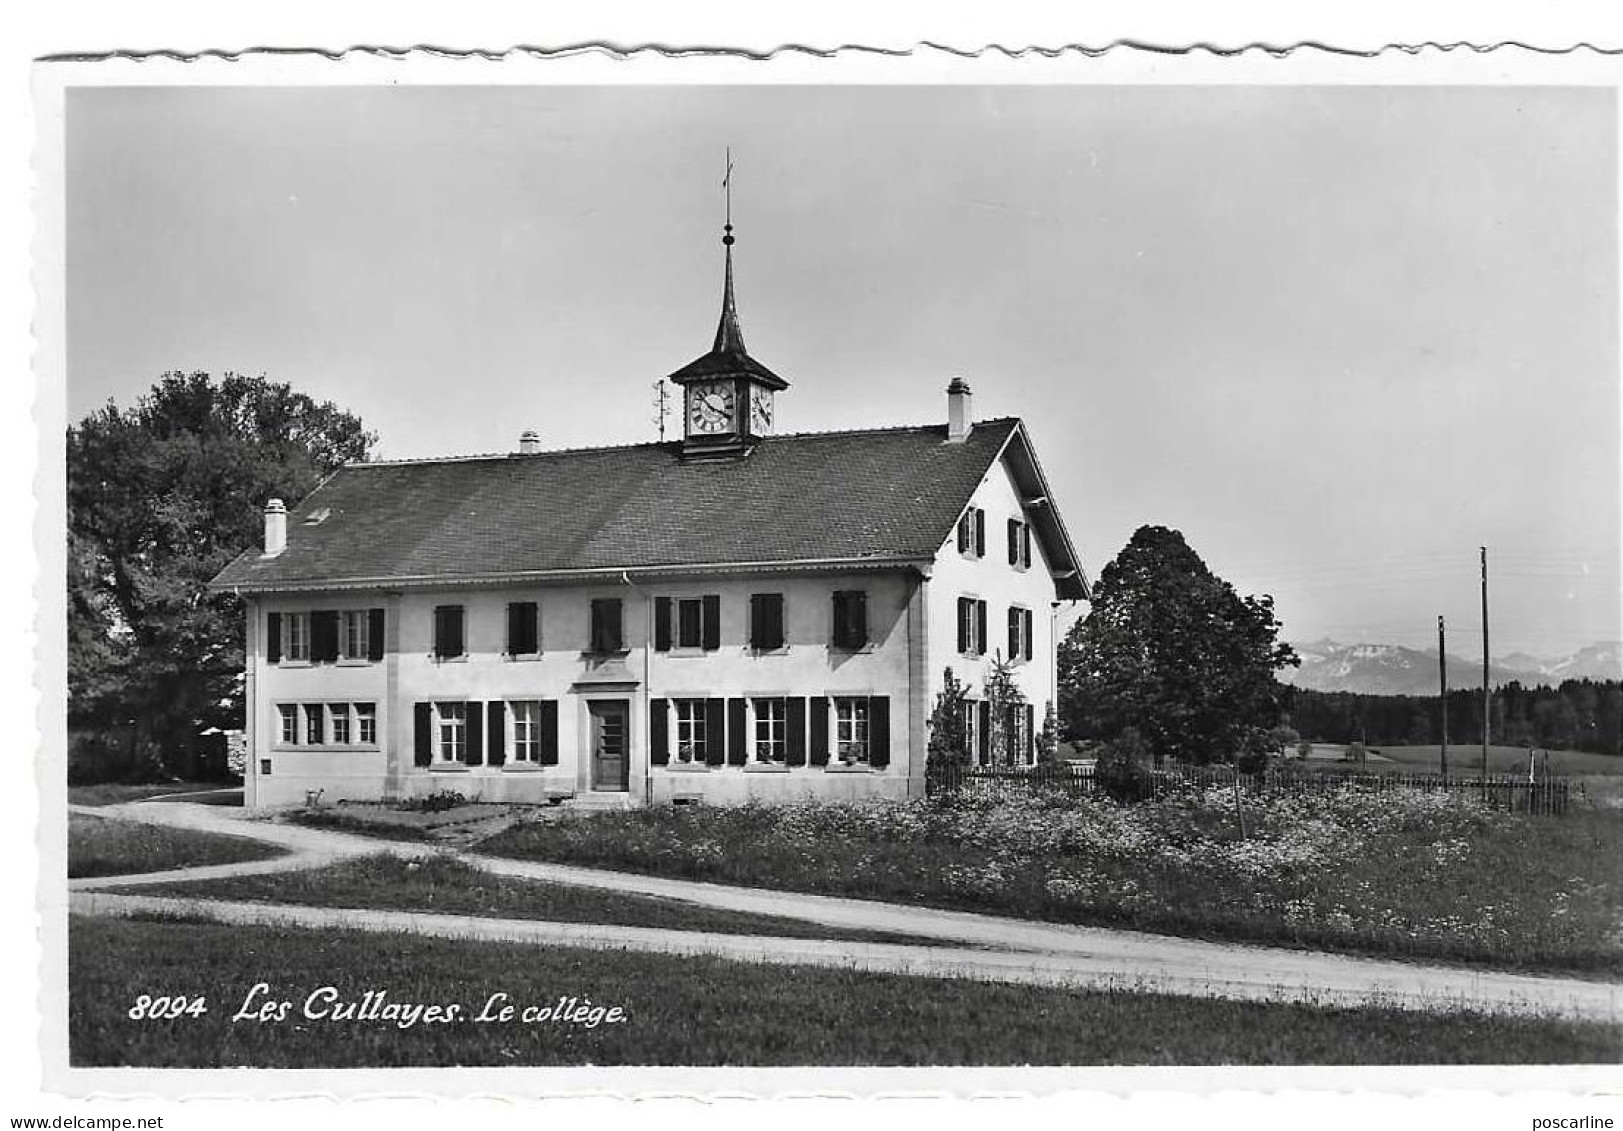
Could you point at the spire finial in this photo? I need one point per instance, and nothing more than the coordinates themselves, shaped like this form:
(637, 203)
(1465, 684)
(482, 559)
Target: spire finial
(727, 191)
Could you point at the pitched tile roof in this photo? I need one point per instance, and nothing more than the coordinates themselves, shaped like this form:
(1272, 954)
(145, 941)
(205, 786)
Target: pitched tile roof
(879, 495)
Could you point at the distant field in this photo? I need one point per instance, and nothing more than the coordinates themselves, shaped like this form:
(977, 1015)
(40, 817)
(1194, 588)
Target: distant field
(1501, 760)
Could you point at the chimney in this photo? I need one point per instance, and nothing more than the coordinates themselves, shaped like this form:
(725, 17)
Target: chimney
(529, 443)
(960, 416)
(275, 528)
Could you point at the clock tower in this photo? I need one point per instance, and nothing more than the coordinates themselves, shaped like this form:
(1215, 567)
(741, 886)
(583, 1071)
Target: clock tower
(727, 396)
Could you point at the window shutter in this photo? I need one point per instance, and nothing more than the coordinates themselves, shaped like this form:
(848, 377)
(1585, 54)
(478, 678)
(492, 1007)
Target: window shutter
(497, 731)
(758, 621)
(980, 533)
(985, 742)
(779, 636)
(515, 628)
(662, 624)
(549, 731)
(838, 637)
(374, 634)
(794, 731)
(878, 730)
(424, 723)
(1027, 635)
(963, 624)
(1014, 541)
(1025, 545)
(475, 714)
(273, 638)
(964, 531)
(859, 618)
(980, 627)
(1015, 622)
(448, 631)
(712, 623)
(659, 747)
(715, 732)
(737, 733)
(614, 629)
(324, 636)
(817, 707)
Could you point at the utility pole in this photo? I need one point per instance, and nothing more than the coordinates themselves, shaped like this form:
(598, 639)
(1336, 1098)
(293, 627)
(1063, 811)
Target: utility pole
(1487, 696)
(1442, 687)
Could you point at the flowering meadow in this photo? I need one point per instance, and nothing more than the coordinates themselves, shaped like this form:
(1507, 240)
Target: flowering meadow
(1429, 875)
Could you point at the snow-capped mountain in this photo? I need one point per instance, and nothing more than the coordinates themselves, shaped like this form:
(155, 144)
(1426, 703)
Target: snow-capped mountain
(1391, 669)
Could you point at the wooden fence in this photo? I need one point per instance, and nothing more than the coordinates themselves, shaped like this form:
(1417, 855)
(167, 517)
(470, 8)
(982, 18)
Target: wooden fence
(1547, 797)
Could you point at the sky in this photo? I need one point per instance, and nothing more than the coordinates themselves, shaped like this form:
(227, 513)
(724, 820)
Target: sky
(1340, 337)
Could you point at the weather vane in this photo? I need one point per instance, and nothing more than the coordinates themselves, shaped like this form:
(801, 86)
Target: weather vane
(727, 191)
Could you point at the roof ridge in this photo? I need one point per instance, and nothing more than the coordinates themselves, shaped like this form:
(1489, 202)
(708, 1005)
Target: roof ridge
(477, 457)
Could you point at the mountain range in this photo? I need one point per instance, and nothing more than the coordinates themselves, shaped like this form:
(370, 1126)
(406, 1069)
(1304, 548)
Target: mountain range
(1391, 669)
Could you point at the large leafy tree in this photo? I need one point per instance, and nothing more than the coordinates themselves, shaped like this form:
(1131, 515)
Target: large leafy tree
(160, 497)
(1170, 652)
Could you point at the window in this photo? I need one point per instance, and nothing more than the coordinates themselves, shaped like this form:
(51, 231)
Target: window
(523, 628)
(338, 723)
(526, 715)
(452, 731)
(972, 729)
(449, 641)
(1019, 633)
(296, 646)
(605, 628)
(314, 724)
(971, 626)
(850, 618)
(355, 638)
(851, 730)
(697, 623)
(769, 730)
(1019, 544)
(366, 724)
(1017, 731)
(972, 533)
(690, 730)
(766, 621)
(289, 735)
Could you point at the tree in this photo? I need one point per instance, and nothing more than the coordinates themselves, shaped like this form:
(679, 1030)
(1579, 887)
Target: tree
(948, 744)
(1171, 651)
(1005, 707)
(160, 497)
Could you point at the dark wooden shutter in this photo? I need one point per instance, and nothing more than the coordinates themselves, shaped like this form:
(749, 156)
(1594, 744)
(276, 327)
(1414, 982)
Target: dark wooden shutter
(712, 623)
(423, 714)
(779, 635)
(662, 624)
(1025, 545)
(1014, 541)
(448, 631)
(374, 634)
(984, 742)
(856, 607)
(794, 731)
(497, 731)
(878, 730)
(817, 708)
(1016, 622)
(980, 627)
(659, 746)
(273, 637)
(515, 628)
(758, 621)
(324, 636)
(474, 713)
(715, 732)
(965, 531)
(549, 732)
(838, 638)
(963, 624)
(614, 629)
(980, 533)
(737, 736)
(1027, 640)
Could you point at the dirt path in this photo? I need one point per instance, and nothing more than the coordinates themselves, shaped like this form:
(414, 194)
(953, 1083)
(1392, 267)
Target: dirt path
(1040, 953)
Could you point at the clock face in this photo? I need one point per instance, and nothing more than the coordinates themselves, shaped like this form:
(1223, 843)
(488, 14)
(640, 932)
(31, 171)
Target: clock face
(760, 411)
(710, 408)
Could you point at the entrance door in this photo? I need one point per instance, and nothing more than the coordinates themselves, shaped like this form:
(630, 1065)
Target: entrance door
(611, 756)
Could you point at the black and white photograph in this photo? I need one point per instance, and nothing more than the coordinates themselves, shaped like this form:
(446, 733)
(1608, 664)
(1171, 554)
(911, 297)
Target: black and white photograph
(575, 571)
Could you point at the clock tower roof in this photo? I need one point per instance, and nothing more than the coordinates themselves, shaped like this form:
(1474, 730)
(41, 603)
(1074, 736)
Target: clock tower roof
(728, 357)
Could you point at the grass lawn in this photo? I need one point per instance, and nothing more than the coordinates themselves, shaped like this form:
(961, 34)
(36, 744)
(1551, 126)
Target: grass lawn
(1400, 874)
(99, 846)
(697, 1010)
(450, 887)
(114, 794)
